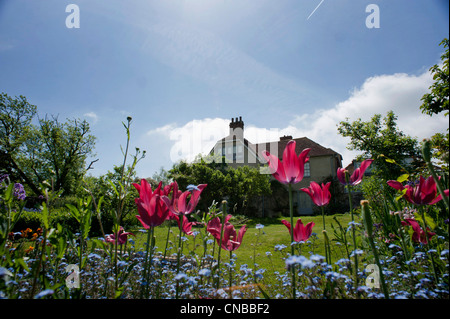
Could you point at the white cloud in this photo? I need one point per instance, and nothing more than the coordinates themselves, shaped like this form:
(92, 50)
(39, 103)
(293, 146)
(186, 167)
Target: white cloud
(92, 116)
(377, 95)
(400, 93)
(187, 141)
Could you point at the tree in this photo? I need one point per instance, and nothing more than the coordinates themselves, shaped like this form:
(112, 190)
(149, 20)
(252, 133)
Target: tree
(436, 101)
(15, 128)
(381, 140)
(50, 150)
(238, 185)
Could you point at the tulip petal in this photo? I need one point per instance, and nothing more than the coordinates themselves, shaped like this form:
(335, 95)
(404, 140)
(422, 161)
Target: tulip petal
(302, 159)
(275, 167)
(290, 162)
(341, 175)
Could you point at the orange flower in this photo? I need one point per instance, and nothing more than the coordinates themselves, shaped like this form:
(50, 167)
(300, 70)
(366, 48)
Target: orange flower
(29, 249)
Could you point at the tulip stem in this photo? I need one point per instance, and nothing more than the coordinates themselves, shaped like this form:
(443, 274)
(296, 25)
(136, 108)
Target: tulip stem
(146, 269)
(291, 213)
(179, 252)
(224, 211)
(425, 229)
(350, 202)
(231, 278)
(326, 240)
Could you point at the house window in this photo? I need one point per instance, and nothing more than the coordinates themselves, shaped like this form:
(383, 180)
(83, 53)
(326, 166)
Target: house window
(307, 172)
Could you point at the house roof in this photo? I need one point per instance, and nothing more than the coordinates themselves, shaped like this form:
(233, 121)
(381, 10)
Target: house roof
(300, 144)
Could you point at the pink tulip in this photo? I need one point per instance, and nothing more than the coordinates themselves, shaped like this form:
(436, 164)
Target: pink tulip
(357, 175)
(320, 195)
(425, 193)
(214, 225)
(292, 169)
(230, 240)
(187, 225)
(179, 204)
(152, 210)
(419, 236)
(122, 237)
(301, 232)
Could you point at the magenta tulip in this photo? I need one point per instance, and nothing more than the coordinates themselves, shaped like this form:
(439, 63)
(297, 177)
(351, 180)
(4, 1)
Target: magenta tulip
(230, 239)
(301, 232)
(320, 195)
(292, 169)
(187, 225)
(357, 175)
(214, 226)
(122, 237)
(152, 210)
(179, 204)
(425, 193)
(419, 236)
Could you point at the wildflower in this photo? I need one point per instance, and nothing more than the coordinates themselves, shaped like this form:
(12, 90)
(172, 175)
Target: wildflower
(419, 236)
(44, 293)
(180, 276)
(424, 193)
(292, 169)
(279, 247)
(29, 249)
(204, 272)
(121, 237)
(357, 175)
(152, 210)
(299, 260)
(301, 232)
(259, 226)
(19, 191)
(356, 252)
(320, 195)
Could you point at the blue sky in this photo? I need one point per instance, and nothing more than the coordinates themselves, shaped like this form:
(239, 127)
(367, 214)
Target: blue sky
(183, 68)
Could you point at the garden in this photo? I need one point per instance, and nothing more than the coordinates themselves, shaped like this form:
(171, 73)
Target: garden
(67, 235)
(388, 247)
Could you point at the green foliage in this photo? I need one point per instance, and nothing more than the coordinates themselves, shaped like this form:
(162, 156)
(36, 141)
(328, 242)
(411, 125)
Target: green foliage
(237, 185)
(51, 150)
(380, 139)
(436, 101)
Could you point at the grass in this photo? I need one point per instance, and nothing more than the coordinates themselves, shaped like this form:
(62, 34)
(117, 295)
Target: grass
(256, 242)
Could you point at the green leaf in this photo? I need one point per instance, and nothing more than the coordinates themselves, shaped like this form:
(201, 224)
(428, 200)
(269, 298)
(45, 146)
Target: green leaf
(9, 193)
(22, 263)
(263, 292)
(403, 178)
(45, 215)
(74, 212)
(390, 161)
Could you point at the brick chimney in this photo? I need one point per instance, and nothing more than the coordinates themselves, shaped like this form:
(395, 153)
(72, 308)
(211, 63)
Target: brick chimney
(237, 128)
(286, 137)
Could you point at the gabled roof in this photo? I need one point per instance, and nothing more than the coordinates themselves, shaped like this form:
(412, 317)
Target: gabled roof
(300, 144)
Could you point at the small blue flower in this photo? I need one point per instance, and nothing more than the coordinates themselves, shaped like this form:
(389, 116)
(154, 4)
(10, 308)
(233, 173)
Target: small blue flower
(357, 252)
(259, 226)
(279, 247)
(204, 272)
(44, 293)
(180, 276)
(191, 187)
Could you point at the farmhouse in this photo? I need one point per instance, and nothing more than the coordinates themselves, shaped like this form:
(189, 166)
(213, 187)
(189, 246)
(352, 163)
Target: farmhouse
(238, 151)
